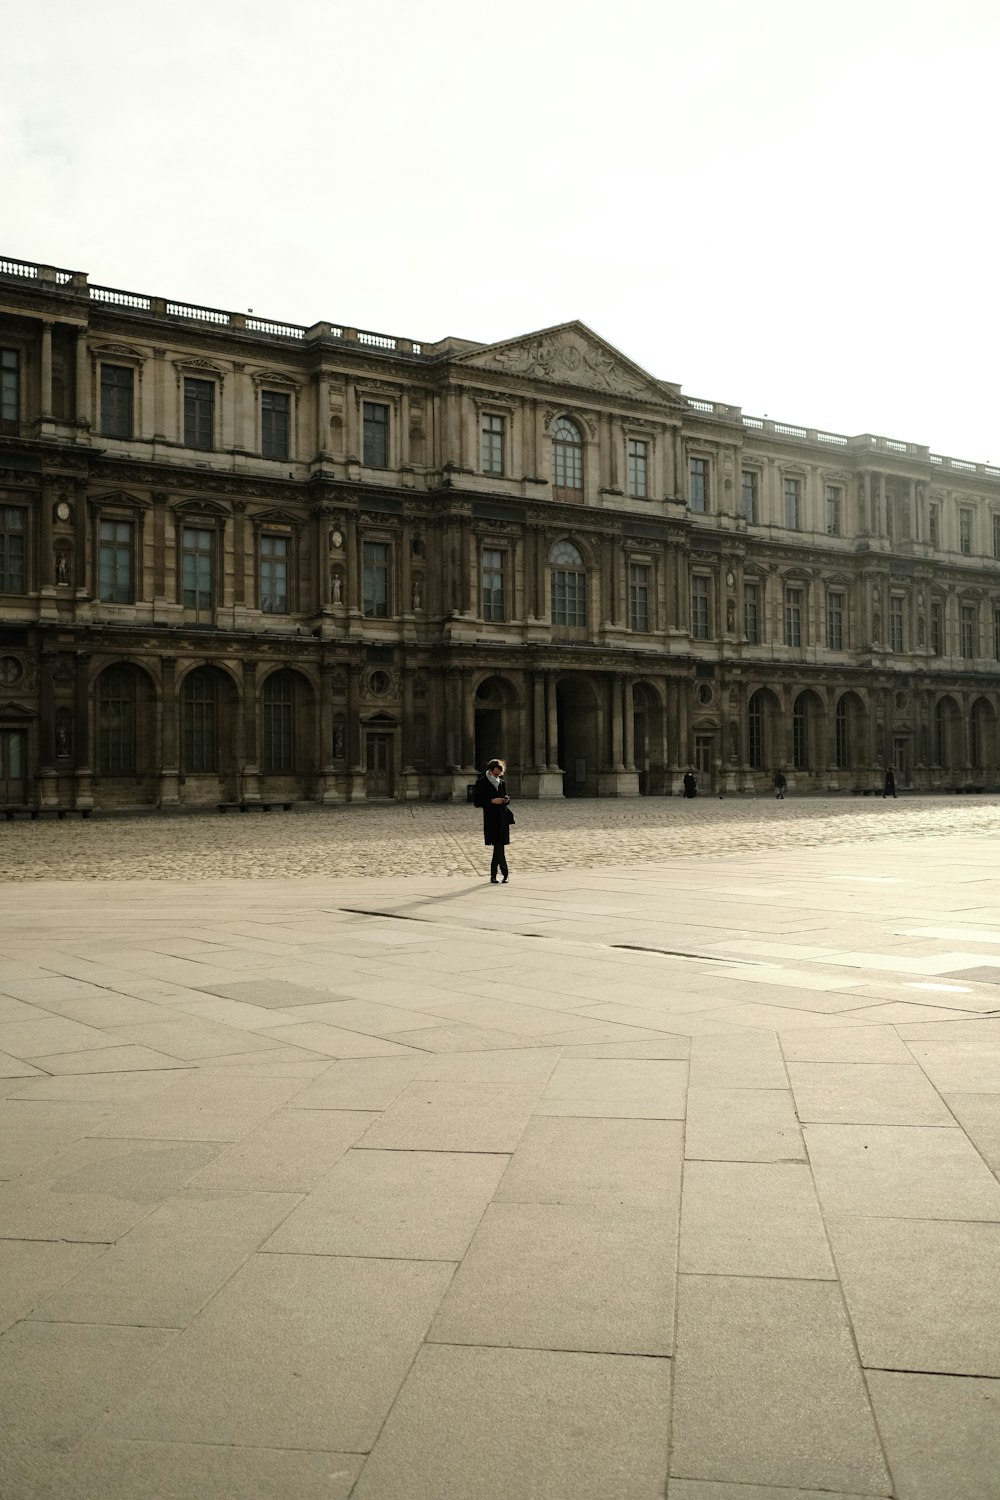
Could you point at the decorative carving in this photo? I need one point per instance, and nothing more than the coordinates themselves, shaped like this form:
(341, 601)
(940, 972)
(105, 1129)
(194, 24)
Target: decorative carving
(64, 734)
(569, 355)
(418, 593)
(339, 739)
(62, 561)
(336, 586)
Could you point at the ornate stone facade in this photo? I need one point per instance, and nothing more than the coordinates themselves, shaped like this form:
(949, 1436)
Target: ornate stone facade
(246, 561)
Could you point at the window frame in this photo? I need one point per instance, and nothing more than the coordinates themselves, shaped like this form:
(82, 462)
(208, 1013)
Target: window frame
(265, 561)
(640, 595)
(568, 467)
(753, 598)
(699, 483)
(107, 428)
(965, 523)
(10, 363)
(937, 627)
(116, 548)
(195, 525)
(791, 491)
(836, 599)
(492, 443)
(569, 587)
(272, 390)
(198, 726)
(794, 601)
(967, 631)
(701, 606)
(833, 496)
(637, 467)
(369, 567)
(493, 610)
(371, 428)
(750, 512)
(8, 576)
(277, 724)
(934, 524)
(193, 416)
(897, 623)
(116, 742)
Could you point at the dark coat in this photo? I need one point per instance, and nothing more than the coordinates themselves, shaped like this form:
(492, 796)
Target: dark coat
(496, 822)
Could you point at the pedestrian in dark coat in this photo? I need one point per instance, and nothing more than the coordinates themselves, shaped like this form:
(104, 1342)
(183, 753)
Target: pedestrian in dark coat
(690, 785)
(890, 783)
(491, 795)
(780, 783)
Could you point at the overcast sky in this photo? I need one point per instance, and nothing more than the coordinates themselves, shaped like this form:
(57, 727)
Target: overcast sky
(790, 205)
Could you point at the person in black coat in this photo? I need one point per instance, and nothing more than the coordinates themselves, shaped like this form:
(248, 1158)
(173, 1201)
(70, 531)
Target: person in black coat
(491, 796)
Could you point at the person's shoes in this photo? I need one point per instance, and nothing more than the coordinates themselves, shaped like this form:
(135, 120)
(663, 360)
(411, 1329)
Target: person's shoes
(505, 879)
(494, 880)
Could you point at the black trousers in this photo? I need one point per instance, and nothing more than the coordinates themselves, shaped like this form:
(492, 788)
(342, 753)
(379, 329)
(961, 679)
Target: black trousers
(499, 862)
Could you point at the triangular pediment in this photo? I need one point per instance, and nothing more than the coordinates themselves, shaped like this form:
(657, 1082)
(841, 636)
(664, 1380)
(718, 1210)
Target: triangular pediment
(571, 354)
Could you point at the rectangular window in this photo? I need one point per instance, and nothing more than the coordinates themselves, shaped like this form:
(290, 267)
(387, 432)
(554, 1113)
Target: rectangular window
(793, 617)
(492, 435)
(638, 596)
(199, 413)
(569, 597)
(793, 498)
(9, 391)
(375, 580)
(115, 562)
(968, 622)
(698, 479)
(275, 412)
(751, 613)
(937, 629)
(835, 620)
(895, 623)
(494, 601)
(196, 568)
(749, 490)
(934, 525)
(996, 534)
(274, 575)
(12, 536)
(638, 468)
(376, 434)
(699, 607)
(834, 509)
(117, 389)
(965, 532)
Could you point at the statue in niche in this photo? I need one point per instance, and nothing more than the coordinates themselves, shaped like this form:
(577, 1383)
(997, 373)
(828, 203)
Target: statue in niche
(731, 616)
(418, 594)
(62, 568)
(336, 588)
(876, 628)
(62, 737)
(921, 631)
(338, 740)
(734, 744)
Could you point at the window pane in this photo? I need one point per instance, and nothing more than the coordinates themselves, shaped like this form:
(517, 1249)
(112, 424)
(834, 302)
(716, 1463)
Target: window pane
(275, 408)
(196, 569)
(698, 483)
(567, 455)
(638, 456)
(793, 617)
(835, 621)
(115, 562)
(278, 724)
(274, 575)
(375, 580)
(748, 494)
(638, 597)
(116, 721)
(833, 508)
(199, 413)
(12, 554)
(493, 584)
(751, 613)
(376, 435)
(200, 736)
(793, 489)
(492, 434)
(116, 401)
(9, 387)
(569, 597)
(699, 608)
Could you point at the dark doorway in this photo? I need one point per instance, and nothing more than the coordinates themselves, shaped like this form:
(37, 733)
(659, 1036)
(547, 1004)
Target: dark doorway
(489, 736)
(13, 769)
(578, 741)
(379, 780)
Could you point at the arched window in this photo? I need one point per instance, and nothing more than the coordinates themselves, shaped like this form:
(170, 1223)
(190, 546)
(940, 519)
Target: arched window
(569, 585)
(278, 724)
(567, 455)
(116, 721)
(201, 737)
(755, 732)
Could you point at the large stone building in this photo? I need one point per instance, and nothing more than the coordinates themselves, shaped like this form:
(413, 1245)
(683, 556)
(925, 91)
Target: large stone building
(243, 560)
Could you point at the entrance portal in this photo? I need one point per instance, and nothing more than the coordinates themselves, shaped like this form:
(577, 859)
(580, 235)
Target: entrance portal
(379, 778)
(12, 767)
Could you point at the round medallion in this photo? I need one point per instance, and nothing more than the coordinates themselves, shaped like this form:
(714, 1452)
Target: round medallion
(336, 539)
(63, 511)
(705, 694)
(10, 670)
(379, 684)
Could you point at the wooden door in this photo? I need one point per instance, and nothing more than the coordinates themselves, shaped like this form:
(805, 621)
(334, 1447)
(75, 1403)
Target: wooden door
(379, 768)
(13, 746)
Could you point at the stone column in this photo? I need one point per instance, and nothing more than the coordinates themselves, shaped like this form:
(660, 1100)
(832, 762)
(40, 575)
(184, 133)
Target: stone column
(538, 722)
(45, 393)
(615, 700)
(83, 770)
(322, 415)
(82, 380)
(552, 720)
(628, 722)
(169, 738)
(160, 376)
(468, 720)
(248, 753)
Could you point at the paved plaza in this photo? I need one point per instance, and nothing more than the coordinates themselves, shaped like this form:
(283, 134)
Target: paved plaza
(669, 1170)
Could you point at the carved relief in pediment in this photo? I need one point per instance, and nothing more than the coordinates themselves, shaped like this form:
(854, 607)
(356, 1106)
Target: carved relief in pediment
(570, 355)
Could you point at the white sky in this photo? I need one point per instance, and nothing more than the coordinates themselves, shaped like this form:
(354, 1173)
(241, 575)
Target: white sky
(788, 205)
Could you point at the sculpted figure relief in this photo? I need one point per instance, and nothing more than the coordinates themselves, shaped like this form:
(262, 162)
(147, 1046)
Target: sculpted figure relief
(561, 358)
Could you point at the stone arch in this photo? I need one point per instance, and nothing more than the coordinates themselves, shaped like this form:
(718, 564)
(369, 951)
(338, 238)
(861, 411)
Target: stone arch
(808, 731)
(765, 738)
(579, 721)
(947, 739)
(849, 738)
(212, 750)
(287, 729)
(649, 746)
(124, 696)
(983, 740)
(497, 703)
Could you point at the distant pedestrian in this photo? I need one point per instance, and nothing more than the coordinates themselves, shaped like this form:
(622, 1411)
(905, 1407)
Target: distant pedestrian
(780, 784)
(491, 795)
(889, 789)
(690, 785)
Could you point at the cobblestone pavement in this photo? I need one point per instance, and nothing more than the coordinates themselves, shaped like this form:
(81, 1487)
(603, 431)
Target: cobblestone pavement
(445, 838)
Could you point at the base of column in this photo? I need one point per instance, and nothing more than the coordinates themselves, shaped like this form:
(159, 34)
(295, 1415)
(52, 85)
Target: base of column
(169, 789)
(84, 796)
(541, 784)
(250, 787)
(48, 788)
(330, 787)
(409, 786)
(357, 786)
(618, 783)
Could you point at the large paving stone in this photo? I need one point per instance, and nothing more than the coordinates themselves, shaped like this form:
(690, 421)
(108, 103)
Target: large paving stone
(430, 1116)
(941, 1434)
(410, 1205)
(623, 1088)
(700, 1489)
(753, 1061)
(862, 1044)
(865, 1094)
(520, 1424)
(752, 1219)
(979, 1117)
(296, 1351)
(292, 1151)
(596, 1161)
(565, 1276)
(32, 1269)
(195, 1108)
(768, 1389)
(365, 1083)
(742, 1125)
(909, 1172)
(167, 1267)
(104, 1470)
(32, 1130)
(922, 1295)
